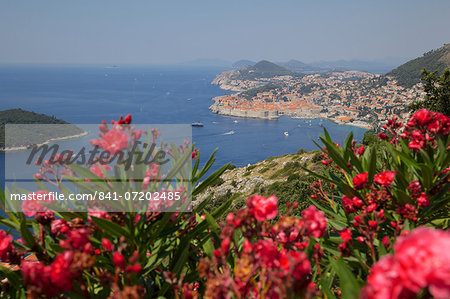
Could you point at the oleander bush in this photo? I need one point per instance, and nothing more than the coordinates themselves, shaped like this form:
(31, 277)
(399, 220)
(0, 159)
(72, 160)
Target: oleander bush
(377, 227)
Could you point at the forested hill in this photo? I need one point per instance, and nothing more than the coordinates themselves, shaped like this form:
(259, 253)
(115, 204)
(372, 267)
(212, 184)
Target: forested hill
(264, 69)
(409, 73)
(19, 116)
(31, 135)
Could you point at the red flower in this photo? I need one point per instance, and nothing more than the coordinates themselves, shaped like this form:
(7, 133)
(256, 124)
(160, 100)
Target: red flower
(136, 268)
(5, 245)
(76, 239)
(361, 150)
(263, 208)
(266, 251)
(346, 235)
(107, 245)
(423, 117)
(383, 136)
(300, 263)
(360, 181)
(60, 274)
(423, 200)
(38, 275)
(59, 226)
(314, 222)
(119, 260)
(348, 205)
(225, 246)
(386, 242)
(385, 178)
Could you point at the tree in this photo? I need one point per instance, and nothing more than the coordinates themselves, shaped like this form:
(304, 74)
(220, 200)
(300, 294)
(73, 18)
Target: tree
(437, 90)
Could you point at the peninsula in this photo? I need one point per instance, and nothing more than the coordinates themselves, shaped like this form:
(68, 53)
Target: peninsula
(269, 91)
(25, 136)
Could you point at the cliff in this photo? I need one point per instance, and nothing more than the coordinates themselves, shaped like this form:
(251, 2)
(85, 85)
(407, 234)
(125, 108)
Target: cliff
(281, 176)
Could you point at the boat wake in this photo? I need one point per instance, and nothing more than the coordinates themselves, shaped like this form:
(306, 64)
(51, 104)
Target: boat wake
(229, 133)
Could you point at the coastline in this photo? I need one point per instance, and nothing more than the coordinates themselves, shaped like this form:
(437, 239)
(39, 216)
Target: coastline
(273, 115)
(21, 148)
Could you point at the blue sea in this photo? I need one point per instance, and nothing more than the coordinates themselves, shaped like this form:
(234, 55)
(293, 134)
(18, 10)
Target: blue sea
(157, 95)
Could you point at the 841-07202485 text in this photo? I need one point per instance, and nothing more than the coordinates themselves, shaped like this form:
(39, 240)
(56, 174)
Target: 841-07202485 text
(102, 196)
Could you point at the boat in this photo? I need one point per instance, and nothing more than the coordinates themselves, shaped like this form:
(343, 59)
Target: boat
(229, 133)
(235, 121)
(197, 124)
(286, 134)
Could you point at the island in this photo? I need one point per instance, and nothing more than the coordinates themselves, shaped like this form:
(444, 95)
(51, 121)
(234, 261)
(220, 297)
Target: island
(28, 136)
(267, 90)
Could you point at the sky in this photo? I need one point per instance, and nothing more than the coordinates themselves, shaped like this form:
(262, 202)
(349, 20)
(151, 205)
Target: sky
(173, 31)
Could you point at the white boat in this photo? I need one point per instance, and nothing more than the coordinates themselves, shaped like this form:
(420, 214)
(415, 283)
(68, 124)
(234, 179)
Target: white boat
(286, 134)
(235, 121)
(229, 133)
(197, 124)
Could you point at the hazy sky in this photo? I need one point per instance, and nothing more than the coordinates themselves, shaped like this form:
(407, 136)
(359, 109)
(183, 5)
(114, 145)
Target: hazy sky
(168, 31)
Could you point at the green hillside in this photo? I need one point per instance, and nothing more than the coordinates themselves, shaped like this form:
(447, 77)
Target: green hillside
(30, 135)
(409, 73)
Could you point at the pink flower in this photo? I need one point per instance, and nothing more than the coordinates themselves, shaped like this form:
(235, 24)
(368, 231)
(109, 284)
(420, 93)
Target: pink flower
(59, 226)
(263, 208)
(113, 141)
(385, 178)
(419, 262)
(360, 181)
(137, 135)
(314, 222)
(425, 262)
(5, 245)
(98, 169)
(76, 239)
(423, 200)
(33, 205)
(385, 280)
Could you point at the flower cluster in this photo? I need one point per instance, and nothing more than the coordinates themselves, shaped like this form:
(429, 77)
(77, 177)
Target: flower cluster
(419, 262)
(421, 130)
(271, 260)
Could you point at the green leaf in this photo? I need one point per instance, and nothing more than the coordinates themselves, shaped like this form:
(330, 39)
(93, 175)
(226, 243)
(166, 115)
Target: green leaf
(210, 180)
(26, 234)
(13, 277)
(348, 283)
(111, 228)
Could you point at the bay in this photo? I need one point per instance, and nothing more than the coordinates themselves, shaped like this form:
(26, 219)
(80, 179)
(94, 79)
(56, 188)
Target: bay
(157, 95)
